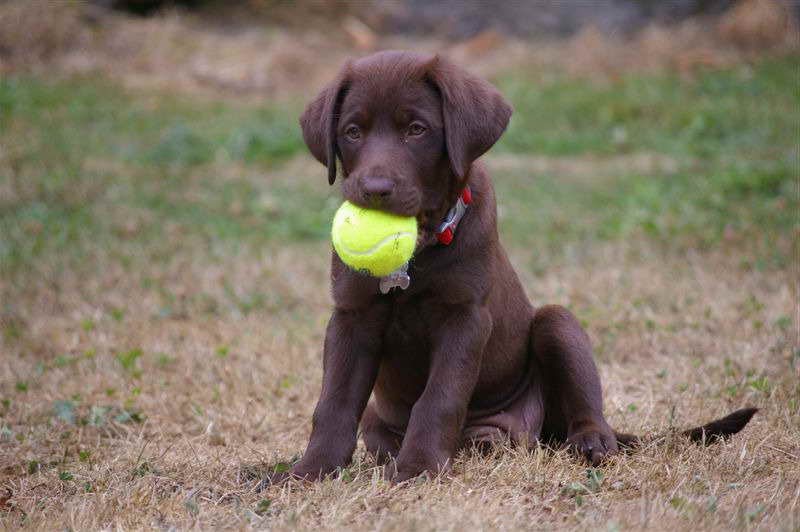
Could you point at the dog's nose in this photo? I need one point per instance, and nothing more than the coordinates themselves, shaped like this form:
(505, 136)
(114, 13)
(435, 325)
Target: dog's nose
(377, 188)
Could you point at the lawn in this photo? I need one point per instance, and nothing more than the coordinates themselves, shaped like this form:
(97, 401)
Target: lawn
(164, 293)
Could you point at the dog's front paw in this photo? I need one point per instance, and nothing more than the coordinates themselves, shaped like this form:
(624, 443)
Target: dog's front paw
(593, 442)
(412, 466)
(299, 473)
(398, 474)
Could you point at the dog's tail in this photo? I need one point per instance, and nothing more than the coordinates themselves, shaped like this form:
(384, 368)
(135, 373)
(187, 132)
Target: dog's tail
(721, 428)
(712, 432)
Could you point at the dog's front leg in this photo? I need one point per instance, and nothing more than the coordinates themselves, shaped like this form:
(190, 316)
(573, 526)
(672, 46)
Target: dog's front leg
(437, 418)
(350, 366)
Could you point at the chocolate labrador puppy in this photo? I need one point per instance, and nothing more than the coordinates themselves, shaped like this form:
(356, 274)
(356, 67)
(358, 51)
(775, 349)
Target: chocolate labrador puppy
(459, 356)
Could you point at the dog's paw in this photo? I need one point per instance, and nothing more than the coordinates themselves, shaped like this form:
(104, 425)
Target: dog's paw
(418, 465)
(397, 474)
(593, 443)
(298, 474)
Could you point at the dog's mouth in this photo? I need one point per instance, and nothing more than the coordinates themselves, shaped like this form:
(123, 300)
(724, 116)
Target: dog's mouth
(427, 228)
(427, 221)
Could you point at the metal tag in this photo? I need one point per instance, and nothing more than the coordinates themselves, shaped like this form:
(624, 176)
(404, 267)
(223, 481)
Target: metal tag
(398, 279)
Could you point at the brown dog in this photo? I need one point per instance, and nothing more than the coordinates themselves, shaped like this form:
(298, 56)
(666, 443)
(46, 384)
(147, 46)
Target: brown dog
(460, 356)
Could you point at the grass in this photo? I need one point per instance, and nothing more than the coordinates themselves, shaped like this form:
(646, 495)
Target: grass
(735, 112)
(78, 149)
(164, 291)
(730, 134)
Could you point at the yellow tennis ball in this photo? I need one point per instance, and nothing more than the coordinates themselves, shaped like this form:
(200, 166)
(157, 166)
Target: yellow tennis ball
(373, 242)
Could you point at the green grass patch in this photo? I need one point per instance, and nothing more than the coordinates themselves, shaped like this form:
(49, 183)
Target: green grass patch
(733, 135)
(698, 207)
(744, 113)
(87, 166)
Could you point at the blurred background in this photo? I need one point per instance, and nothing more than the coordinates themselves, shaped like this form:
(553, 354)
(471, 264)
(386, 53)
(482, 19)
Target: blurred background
(176, 112)
(164, 233)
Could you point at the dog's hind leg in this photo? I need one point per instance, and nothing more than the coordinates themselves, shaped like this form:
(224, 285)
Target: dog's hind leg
(573, 399)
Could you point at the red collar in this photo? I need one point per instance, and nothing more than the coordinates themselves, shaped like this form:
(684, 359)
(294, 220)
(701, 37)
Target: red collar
(447, 228)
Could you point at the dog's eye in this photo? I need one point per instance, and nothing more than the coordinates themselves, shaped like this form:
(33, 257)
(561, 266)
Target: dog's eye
(415, 129)
(353, 133)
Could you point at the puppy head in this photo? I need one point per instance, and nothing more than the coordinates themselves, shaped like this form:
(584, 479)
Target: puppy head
(406, 128)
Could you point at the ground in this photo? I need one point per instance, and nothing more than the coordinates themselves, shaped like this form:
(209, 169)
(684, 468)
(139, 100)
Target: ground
(164, 294)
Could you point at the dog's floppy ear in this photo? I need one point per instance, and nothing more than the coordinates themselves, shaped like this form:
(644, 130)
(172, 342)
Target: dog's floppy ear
(475, 113)
(320, 120)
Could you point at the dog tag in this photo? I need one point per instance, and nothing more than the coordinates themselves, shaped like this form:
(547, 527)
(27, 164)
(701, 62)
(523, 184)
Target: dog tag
(398, 279)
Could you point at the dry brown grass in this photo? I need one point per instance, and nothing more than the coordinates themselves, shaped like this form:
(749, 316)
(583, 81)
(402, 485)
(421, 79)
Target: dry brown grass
(33, 34)
(680, 338)
(178, 51)
(225, 390)
(750, 29)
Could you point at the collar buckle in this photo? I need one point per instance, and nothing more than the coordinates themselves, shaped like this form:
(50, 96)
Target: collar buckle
(447, 228)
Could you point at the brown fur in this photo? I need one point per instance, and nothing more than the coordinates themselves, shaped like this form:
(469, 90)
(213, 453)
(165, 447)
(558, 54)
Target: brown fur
(461, 357)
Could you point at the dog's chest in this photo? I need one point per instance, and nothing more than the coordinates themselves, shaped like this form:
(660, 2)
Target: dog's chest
(408, 331)
(405, 359)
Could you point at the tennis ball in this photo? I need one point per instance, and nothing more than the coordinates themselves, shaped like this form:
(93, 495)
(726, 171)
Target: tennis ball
(373, 242)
